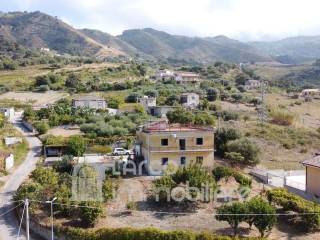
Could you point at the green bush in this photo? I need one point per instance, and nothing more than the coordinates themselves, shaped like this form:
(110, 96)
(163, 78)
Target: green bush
(266, 220)
(139, 234)
(282, 117)
(90, 212)
(228, 115)
(234, 157)
(42, 127)
(223, 136)
(234, 214)
(193, 174)
(76, 145)
(248, 150)
(225, 172)
(180, 115)
(292, 202)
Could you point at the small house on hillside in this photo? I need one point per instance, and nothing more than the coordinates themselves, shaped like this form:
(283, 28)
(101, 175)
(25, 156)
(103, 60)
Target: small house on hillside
(186, 77)
(252, 84)
(164, 75)
(190, 100)
(160, 111)
(147, 102)
(310, 93)
(89, 101)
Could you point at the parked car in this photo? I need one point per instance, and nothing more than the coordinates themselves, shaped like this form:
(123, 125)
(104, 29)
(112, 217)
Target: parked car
(121, 151)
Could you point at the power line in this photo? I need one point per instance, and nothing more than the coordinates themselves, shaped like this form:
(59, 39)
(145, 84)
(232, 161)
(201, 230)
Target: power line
(11, 209)
(24, 207)
(187, 213)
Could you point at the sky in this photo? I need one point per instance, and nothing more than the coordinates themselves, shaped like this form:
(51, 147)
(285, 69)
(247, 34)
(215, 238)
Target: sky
(246, 20)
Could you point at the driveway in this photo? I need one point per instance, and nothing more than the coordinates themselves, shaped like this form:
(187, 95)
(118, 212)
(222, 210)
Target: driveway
(8, 222)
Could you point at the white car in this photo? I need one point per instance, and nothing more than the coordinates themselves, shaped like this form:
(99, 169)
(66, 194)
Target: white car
(121, 151)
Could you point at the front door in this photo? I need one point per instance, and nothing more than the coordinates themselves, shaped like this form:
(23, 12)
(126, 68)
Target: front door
(182, 144)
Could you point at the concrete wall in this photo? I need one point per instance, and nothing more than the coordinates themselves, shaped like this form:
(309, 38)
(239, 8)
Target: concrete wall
(9, 162)
(101, 104)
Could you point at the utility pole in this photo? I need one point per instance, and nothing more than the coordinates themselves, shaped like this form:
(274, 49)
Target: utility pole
(51, 207)
(27, 219)
(262, 111)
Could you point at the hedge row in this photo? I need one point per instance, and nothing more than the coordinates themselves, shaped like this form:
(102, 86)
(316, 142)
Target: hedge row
(309, 211)
(222, 172)
(138, 234)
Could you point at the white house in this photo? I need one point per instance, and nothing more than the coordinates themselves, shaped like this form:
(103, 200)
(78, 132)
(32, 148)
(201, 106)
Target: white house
(163, 75)
(252, 84)
(190, 100)
(89, 101)
(186, 77)
(8, 113)
(310, 93)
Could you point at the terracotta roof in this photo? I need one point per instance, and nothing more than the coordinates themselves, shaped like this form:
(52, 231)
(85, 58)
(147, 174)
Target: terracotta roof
(314, 162)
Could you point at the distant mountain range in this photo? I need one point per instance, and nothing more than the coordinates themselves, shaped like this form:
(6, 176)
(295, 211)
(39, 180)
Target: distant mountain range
(39, 30)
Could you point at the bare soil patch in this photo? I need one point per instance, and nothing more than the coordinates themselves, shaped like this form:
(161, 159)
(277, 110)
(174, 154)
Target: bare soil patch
(35, 98)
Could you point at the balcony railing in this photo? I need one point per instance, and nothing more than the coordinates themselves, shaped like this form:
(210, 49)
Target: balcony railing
(177, 148)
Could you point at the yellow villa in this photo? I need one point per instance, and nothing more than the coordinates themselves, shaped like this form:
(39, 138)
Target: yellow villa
(161, 144)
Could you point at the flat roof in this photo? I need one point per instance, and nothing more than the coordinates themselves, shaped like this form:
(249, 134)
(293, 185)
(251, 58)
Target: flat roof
(165, 127)
(313, 162)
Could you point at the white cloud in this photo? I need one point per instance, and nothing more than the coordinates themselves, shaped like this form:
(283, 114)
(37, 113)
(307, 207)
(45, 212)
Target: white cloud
(245, 19)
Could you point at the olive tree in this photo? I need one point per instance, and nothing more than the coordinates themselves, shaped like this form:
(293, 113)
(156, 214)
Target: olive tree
(234, 214)
(266, 215)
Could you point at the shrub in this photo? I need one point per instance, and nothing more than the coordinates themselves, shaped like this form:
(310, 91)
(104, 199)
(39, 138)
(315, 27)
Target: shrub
(45, 176)
(43, 88)
(228, 115)
(90, 212)
(76, 145)
(204, 119)
(223, 136)
(107, 190)
(42, 127)
(133, 98)
(234, 157)
(248, 150)
(180, 116)
(291, 202)
(2, 120)
(131, 205)
(282, 117)
(193, 174)
(138, 234)
(237, 97)
(212, 94)
(224, 213)
(266, 220)
(225, 172)
(255, 101)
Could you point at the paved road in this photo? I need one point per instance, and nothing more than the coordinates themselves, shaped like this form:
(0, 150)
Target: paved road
(8, 222)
